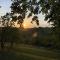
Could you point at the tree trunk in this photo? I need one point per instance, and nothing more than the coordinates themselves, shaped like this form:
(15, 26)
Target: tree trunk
(2, 45)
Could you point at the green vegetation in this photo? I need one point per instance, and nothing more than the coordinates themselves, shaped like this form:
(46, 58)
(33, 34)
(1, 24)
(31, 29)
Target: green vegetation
(51, 10)
(40, 37)
(28, 52)
(42, 43)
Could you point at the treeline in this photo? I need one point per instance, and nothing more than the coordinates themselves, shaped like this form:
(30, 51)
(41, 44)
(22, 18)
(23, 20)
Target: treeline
(41, 37)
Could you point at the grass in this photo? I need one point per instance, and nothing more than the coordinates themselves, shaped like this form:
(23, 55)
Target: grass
(25, 52)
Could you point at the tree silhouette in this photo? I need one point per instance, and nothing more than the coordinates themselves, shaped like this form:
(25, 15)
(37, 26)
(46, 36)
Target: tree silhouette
(21, 7)
(51, 9)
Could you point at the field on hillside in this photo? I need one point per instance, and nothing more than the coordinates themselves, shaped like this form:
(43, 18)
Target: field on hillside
(25, 52)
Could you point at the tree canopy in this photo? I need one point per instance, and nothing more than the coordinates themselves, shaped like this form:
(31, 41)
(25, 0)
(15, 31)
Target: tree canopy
(51, 9)
(21, 8)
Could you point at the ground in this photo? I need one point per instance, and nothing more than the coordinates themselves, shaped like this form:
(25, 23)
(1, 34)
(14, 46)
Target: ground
(27, 52)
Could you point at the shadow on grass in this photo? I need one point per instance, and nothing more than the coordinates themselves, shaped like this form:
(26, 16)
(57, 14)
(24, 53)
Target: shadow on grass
(7, 56)
(28, 53)
(12, 56)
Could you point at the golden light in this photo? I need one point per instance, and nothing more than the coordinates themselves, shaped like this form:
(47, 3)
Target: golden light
(26, 25)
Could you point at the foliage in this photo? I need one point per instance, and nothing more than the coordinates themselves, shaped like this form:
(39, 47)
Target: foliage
(21, 7)
(51, 9)
(6, 19)
(42, 37)
(19, 10)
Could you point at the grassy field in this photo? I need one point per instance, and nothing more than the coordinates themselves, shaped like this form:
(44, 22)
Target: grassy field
(25, 52)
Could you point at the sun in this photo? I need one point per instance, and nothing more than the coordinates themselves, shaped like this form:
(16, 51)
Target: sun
(25, 25)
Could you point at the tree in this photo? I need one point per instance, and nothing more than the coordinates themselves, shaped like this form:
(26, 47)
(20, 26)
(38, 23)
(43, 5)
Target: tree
(51, 9)
(21, 7)
(7, 20)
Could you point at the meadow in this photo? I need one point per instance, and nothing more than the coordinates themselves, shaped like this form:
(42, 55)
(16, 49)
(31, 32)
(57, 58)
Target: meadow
(29, 52)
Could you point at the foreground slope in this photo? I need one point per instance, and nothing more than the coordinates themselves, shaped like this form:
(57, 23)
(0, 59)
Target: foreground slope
(26, 52)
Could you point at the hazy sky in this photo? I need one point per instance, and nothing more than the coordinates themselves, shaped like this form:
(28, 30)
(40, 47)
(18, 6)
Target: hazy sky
(6, 8)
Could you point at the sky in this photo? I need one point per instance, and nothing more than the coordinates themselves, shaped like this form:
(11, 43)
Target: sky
(6, 8)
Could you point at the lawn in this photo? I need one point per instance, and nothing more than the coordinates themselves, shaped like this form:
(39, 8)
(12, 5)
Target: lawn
(26, 52)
